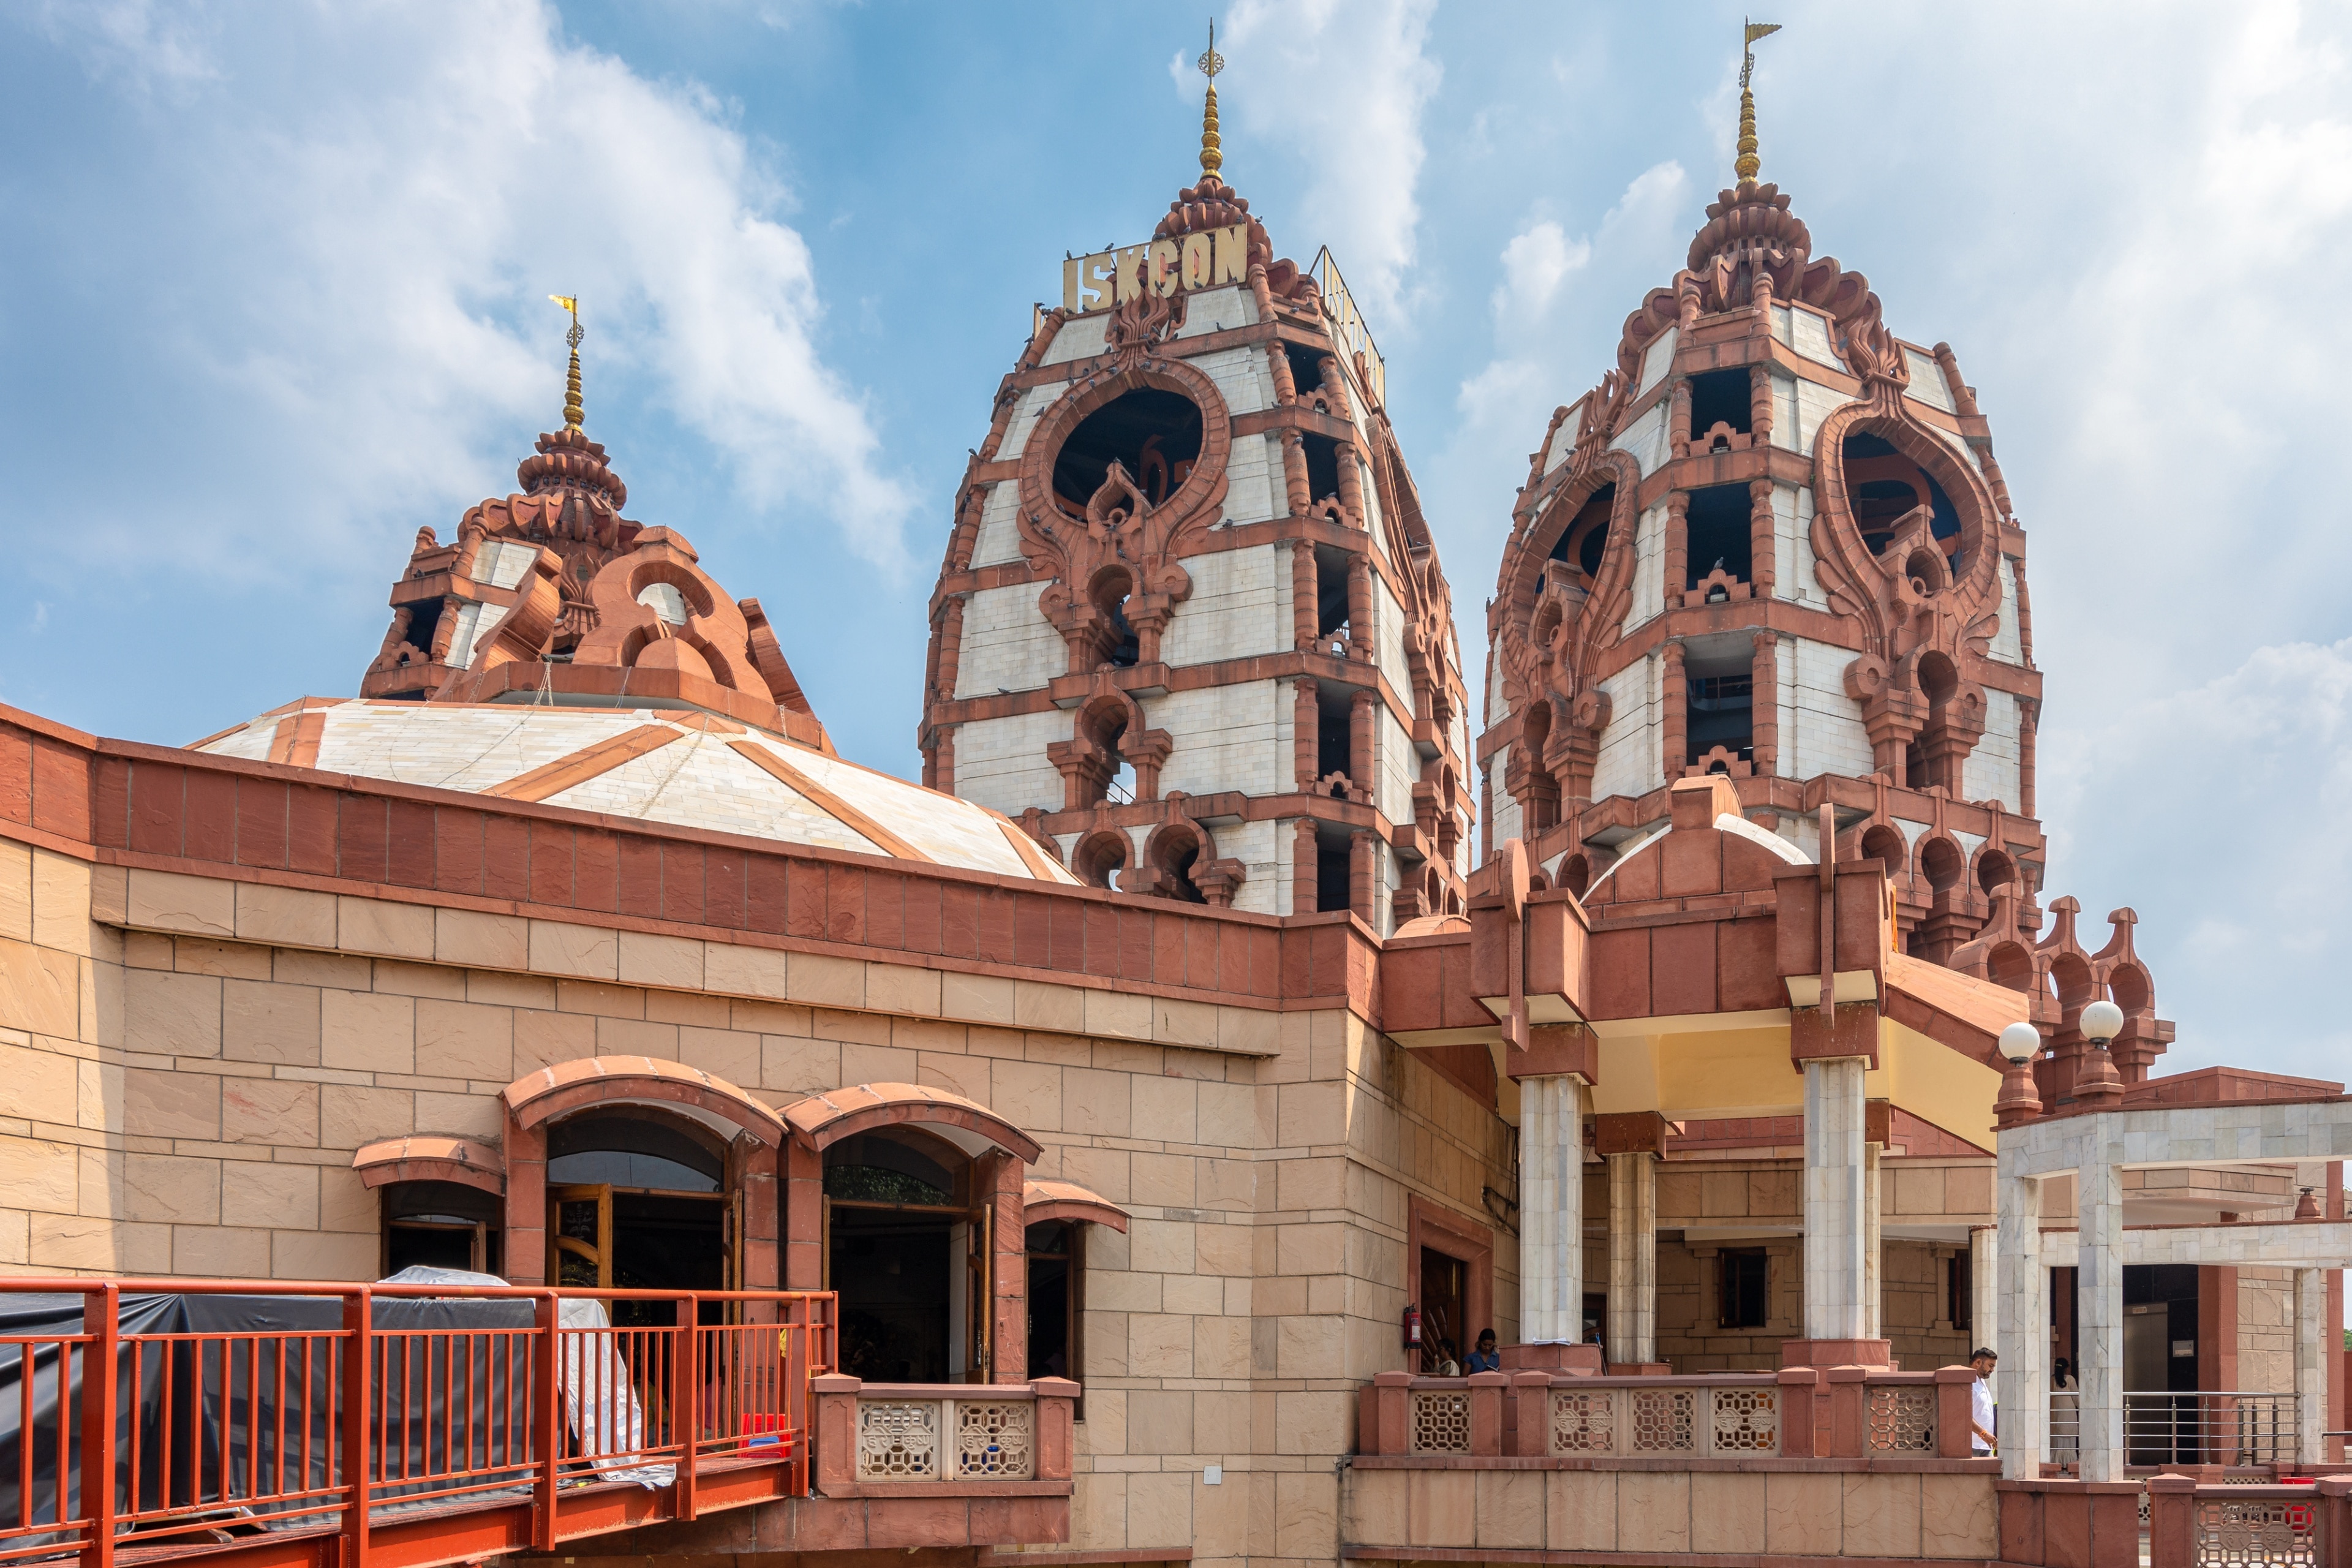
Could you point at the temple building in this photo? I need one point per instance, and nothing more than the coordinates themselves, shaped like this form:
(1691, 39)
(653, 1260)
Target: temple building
(1190, 628)
(1109, 1149)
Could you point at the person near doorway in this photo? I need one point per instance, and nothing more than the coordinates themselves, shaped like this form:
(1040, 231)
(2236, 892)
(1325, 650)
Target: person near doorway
(2065, 1415)
(1448, 1363)
(1982, 1415)
(1485, 1357)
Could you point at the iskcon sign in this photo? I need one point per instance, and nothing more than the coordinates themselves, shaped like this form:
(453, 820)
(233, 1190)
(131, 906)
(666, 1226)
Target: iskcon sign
(1164, 267)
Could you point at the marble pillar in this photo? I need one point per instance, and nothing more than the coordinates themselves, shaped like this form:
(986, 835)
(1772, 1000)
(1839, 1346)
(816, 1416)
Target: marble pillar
(2020, 1330)
(2310, 1363)
(1835, 1223)
(2099, 1313)
(1874, 1273)
(1633, 1257)
(1984, 1284)
(1552, 1209)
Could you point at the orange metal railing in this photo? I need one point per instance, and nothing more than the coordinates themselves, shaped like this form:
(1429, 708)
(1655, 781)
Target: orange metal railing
(310, 1418)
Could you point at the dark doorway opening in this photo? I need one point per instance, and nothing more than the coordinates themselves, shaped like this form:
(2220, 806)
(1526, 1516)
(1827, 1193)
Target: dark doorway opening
(637, 1202)
(907, 1248)
(1444, 1289)
(1717, 534)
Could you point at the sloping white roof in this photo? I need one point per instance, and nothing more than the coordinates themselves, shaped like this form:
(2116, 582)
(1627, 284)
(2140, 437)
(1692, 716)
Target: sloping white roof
(683, 768)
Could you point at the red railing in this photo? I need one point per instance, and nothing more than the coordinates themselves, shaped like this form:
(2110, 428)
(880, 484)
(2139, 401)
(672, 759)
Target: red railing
(213, 1420)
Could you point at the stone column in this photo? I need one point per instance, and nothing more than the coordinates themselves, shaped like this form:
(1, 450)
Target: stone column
(1551, 1212)
(1835, 1221)
(2310, 1363)
(2020, 1329)
(1984, 1285)
(2099, 1311)
(1874, 1270)
(1304, 856)
(1633, 1257)
(1674, 727)
(1307, 734)
(1362, 643)
(1363, 713)
(1305, 603)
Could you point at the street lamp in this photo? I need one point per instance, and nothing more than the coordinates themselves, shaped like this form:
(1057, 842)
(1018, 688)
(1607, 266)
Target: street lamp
(2020, 1100)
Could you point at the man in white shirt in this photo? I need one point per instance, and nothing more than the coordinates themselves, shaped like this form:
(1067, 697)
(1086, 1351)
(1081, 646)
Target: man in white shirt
(1980, 1406)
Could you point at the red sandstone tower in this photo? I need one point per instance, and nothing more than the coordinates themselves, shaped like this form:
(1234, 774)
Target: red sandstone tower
(1191, 627)
(1774, 543)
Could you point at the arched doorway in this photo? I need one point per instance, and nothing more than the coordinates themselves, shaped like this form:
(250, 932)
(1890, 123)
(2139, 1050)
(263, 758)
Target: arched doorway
(638, 1198)
(909, 1245)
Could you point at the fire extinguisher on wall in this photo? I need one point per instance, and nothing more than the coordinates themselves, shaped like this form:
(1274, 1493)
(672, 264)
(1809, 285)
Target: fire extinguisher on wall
(1411, 1327)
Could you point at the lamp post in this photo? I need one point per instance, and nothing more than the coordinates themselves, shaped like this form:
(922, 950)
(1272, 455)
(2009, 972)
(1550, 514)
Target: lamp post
(2101, 1022)
(2020, 1100)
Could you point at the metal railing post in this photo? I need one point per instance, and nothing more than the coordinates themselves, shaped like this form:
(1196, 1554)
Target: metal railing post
(546, 1421)
(359, 1374)
(685, 1403)
(100, 1323)
(795, 1400)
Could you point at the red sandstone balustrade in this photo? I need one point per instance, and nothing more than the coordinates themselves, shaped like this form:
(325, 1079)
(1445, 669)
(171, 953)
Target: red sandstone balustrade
(853, 1459)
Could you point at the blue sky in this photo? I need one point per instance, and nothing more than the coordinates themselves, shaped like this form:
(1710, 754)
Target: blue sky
(272, 296)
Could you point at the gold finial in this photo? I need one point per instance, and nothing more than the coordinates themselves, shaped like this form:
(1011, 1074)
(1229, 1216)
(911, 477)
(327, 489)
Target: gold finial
(572, 412)
(1212, 159)
(1746, 164)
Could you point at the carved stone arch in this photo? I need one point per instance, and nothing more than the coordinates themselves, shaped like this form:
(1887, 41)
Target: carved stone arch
(1099, 857)
(1976, 585)
(1181, 861)
(1203, 489)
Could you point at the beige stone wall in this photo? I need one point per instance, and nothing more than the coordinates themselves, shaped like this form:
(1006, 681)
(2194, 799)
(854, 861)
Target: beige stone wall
(1649, 1515)
(186, 1094)
(1911, 1306)
(2265, 1331)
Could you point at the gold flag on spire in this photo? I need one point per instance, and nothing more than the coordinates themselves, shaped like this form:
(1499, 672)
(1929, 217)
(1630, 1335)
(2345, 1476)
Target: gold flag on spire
(572, 412)
(1747, 164)
(1212, 158)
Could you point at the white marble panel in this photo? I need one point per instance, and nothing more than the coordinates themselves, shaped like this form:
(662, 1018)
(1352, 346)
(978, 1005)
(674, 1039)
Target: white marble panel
(1645, 438)
(1218, 311)
(1993, 770)
(1798, 578)
(1509, 824)
(1647, 598)
(1808, 334)
(1396, 766)
(1658, 358)
(1241, 377)
(1263, 850)
(1784, 411)
(1226, 738)
(1815, 402)
(1631, 758)
(2007, 646)
(1254, 488)
(1008, 643)
(1239, 607)
(1081, 337)
(1821, 726)
(1928, 385)
(998, 540)
(1002, 762)
(1033, 404)
(1388, 638)
(1563, 441)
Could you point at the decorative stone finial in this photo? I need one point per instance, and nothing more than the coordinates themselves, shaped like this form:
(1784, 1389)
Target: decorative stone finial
(1747, 164)
(1211, 63)
(572, 412)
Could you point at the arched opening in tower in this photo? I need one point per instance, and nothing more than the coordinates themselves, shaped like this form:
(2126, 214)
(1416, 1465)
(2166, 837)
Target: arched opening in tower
(1720, 719)
(1154, 434)
(1586, 537)
(1719, 397)
(1883, 486)
(1717, 538)
(1116, 642)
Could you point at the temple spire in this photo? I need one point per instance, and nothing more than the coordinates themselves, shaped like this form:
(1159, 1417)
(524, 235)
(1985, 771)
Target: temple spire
(572, 412)
(1211, 63)
(1747, 164)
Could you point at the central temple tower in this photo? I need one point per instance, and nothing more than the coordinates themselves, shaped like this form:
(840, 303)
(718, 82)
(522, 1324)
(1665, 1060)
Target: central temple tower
(1190, 628)
(1772, 543)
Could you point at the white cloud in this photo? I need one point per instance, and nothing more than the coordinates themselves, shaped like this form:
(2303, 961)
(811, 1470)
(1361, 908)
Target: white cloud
(2223, 814)
(1537, 261)
(348, 221)
(1346, 86)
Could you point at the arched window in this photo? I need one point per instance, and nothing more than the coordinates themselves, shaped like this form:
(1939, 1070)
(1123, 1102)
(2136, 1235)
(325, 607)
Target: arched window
(638, 1198)
(909, 1246)
(441, 1225)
